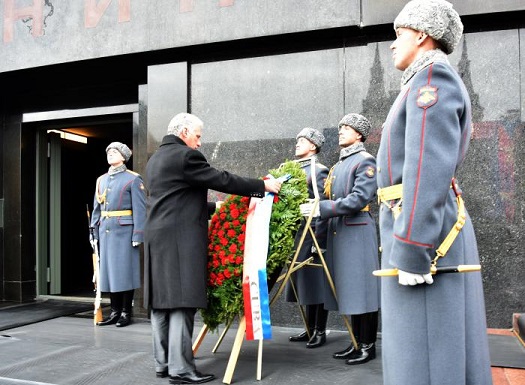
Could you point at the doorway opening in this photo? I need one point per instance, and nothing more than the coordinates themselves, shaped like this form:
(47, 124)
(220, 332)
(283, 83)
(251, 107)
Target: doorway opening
(66, 174)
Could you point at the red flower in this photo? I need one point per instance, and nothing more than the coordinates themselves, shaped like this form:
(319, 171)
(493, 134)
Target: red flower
(234, 213)
(233, 248)
(231, 233)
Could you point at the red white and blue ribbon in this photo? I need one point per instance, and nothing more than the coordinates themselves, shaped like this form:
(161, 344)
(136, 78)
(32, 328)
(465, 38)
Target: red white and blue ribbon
(255, 282)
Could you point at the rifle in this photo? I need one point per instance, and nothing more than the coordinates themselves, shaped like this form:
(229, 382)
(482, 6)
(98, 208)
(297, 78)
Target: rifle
(96, 273)
(433, 270)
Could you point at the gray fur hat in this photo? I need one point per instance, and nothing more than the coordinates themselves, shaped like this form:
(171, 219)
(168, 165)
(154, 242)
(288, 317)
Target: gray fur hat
(358, 123)
(122, 148)
(436, 18)
(313, 135)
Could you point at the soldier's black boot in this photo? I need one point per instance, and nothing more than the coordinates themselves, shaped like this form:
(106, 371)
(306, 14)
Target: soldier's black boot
(304, 336)
(318, 339)
(301, 337)
(366, 353)
(127, 309)
(111, 319)
(116, 310)
(319, 335)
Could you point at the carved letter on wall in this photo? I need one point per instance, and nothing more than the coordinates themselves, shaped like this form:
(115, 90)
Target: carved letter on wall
(94, 11)
(187, 5)
(12, 14)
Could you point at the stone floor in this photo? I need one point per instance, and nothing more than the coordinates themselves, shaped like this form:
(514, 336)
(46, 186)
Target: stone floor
(71, 351)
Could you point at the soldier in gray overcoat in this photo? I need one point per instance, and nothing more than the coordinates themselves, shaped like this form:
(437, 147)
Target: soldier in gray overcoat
(352, 247)
(433, 327)
(178, 177)
(119, 213)
(308, 281)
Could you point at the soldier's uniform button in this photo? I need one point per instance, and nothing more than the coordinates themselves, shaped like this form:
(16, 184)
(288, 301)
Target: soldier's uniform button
(379, 169)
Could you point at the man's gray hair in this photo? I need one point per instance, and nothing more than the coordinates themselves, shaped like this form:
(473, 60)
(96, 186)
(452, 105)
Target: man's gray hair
(183, 120)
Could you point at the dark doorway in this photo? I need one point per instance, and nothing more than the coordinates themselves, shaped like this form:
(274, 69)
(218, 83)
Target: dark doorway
(79, 164)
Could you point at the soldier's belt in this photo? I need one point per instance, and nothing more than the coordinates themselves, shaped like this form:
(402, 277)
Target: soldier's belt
(390, 193)
(117, 213)
(395, 192)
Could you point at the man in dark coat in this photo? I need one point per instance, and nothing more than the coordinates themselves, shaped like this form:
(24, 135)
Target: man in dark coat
(308, 281)
(176, 236)
(433, 329)
(119, 214)
(352, 247)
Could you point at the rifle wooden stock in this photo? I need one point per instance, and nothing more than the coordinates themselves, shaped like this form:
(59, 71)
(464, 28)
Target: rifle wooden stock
(97, 312)
(433, 270)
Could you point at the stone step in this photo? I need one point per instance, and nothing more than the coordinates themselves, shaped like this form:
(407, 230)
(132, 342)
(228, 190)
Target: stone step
(518, 326)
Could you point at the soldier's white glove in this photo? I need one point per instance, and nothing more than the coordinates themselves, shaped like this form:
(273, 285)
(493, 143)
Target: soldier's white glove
(135, 244)
(307, 209)
(94, 243)
(410, 279)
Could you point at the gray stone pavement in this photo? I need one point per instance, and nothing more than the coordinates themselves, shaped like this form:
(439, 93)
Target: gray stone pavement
(71, 351)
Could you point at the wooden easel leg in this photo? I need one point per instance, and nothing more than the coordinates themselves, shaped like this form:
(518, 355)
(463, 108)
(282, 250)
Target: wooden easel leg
(199, 339)
(223, 334)
(259, 360)
(234, 355)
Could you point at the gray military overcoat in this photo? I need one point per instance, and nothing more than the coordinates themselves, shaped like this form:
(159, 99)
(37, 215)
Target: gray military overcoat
(309, 281)
(176, 237)
(119, 260)
(352, 248)
(431, 334)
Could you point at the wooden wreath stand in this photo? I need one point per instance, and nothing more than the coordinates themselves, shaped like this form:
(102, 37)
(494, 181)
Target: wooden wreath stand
(293, 267)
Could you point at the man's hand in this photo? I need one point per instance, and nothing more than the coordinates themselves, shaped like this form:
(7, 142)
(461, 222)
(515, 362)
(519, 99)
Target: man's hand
(94, 243)
(410, 279)
(307, 209)
(272, 185)
(135, 244)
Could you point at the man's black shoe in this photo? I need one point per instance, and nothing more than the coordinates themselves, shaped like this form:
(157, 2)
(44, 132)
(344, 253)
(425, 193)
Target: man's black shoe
(301, 337)
(124, 320)
(112, 319)
(318, 339)
(194, 377)
(162, 374)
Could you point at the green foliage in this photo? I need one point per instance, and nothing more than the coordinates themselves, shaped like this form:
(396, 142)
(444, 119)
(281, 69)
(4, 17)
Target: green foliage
(225, 298)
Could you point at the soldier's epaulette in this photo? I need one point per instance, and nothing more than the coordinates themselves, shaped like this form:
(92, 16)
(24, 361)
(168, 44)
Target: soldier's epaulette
(133, 172)
(320, 165)
(366, 154)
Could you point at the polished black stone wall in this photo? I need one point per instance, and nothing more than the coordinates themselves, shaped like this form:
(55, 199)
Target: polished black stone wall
(253, 108)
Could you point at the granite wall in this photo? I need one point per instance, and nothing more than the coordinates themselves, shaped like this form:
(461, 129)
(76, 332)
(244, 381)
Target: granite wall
(252, 109)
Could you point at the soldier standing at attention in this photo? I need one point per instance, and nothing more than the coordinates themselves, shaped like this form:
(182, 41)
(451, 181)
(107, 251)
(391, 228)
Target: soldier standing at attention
(309, 280)
(352, 249)
(119, 214)
(433, 329)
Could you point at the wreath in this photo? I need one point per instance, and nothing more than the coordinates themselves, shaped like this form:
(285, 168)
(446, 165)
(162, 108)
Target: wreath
(226, 243)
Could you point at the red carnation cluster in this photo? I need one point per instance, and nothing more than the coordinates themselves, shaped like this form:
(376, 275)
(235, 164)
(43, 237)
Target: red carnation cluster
(226, 241)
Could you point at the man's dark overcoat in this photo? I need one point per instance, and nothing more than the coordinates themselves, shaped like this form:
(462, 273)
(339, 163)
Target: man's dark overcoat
(431, 334)
(352, 248)
(176, 233)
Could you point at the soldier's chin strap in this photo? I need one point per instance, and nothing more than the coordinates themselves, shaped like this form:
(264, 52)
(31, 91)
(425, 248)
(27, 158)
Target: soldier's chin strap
(385, 195)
